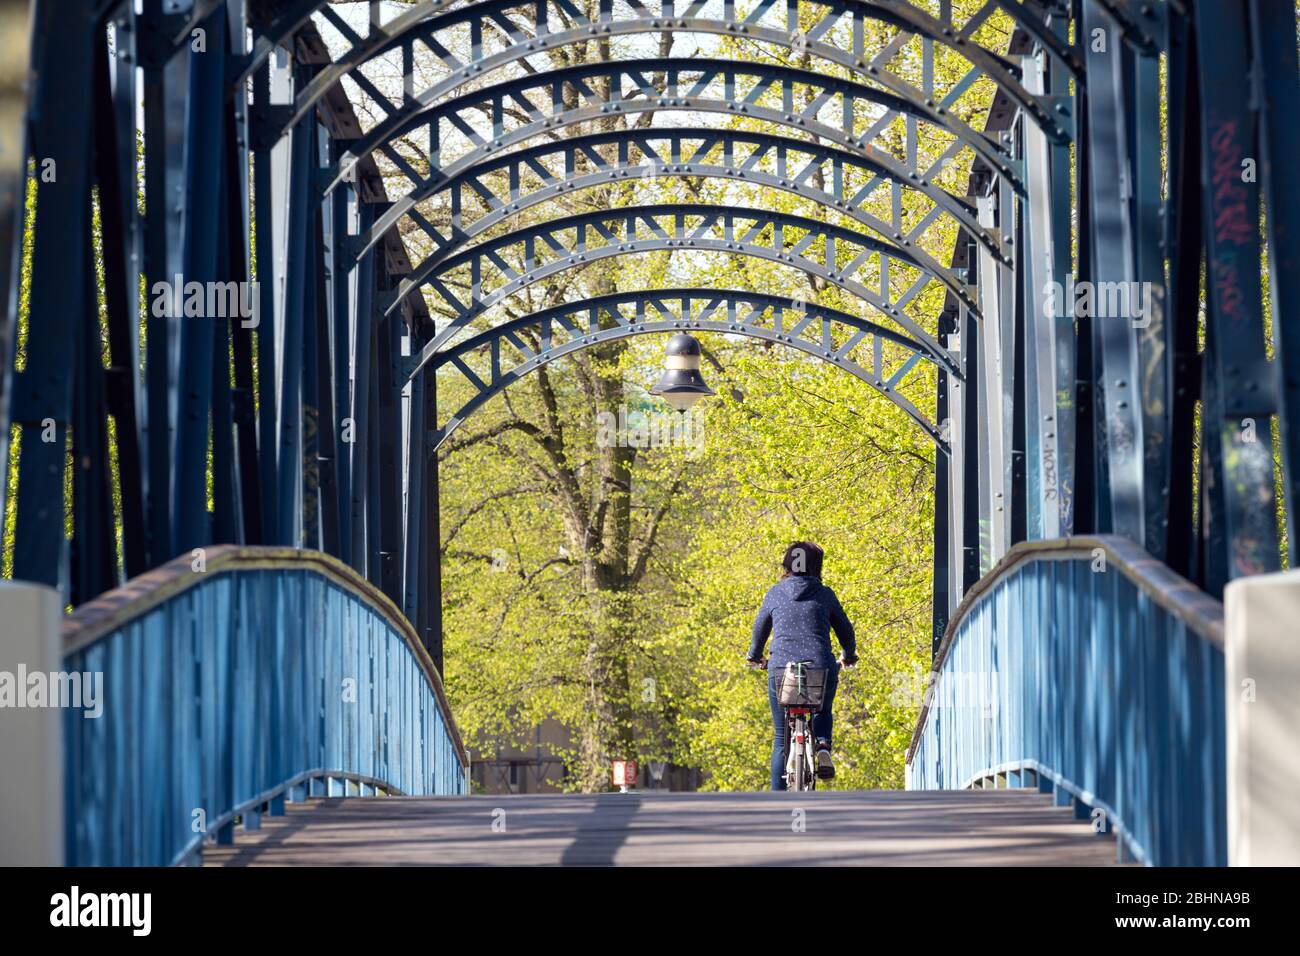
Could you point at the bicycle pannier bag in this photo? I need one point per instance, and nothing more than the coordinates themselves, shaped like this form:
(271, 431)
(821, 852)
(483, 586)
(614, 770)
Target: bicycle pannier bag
(802, 685)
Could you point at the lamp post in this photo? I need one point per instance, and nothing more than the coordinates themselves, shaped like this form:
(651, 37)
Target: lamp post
(682, 385)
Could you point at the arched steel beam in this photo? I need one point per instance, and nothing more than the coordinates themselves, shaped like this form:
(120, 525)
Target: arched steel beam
(801, 25)
(612, 100)
(752, 232)
(625, 89)
(803, 326)
(680, 152)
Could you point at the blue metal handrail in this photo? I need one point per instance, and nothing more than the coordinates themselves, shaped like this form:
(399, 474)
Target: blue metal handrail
(271, 675)
(1087, 668)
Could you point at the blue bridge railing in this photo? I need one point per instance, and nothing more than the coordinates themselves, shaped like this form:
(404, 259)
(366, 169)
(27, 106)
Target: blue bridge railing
(1088, 669)
(235, 684)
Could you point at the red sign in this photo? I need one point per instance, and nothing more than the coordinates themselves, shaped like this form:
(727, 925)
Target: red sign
(625, 773)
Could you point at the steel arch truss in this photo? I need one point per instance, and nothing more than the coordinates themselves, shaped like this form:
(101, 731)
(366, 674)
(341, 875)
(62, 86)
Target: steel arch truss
(476, 39)
(846, 258)
(835, 178)
(503, 354)
(546, 103)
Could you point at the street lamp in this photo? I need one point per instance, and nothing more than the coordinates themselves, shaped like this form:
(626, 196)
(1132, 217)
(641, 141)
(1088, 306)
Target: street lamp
(682, 385)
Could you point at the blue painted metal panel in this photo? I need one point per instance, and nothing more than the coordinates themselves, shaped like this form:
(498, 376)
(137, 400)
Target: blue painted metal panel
(229, 697)
(1108, 698)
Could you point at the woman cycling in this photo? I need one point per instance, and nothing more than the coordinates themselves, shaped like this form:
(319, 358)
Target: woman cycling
(802, 611)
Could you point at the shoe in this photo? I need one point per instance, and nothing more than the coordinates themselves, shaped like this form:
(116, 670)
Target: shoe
(825, 769)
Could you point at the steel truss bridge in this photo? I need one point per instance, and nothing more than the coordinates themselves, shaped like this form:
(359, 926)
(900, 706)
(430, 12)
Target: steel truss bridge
(241, 508)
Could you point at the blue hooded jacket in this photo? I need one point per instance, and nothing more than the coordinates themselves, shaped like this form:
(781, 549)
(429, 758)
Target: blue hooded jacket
(799, 612)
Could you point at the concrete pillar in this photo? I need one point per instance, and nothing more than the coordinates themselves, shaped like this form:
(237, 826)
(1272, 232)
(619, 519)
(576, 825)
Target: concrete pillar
(1262, 687)
(31, 739)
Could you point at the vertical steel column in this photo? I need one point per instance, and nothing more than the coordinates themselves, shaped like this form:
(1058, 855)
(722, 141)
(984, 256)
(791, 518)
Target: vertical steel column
(414, 435)
(227, 528)
(1142, 75)
(268, 444)
(1110, 185)
(325, 387)
(1245, 397)
(956, 472)
(1184, 245)
(298, 174)
(361, 344)
(971, 433)
(1278, 100)
(942, 491)
(1049, 334)
(429, 612)
(387, 494)
(16, 23)
(94, 546)
(1089, 486)
(164, 124)
(120, 226)
(995, 380)
(309, 454)
(237, 265)
(201, 235)
(42, 394)
(342, 221)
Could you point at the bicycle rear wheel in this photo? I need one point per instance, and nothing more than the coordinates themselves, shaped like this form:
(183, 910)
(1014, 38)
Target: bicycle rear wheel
(796, 772)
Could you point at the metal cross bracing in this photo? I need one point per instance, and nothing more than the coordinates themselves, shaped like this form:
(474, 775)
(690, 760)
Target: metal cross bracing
(521, 345)
(546, 103)
(846, 258)
(832, 177)
(314, 423)
(503, 32)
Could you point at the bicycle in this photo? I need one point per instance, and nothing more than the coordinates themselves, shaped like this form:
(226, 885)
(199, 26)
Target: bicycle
(800, 693)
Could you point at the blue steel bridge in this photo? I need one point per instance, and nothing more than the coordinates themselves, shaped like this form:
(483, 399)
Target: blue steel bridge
(233, 513)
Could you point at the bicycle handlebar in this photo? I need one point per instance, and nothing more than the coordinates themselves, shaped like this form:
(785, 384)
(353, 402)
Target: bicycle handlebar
(763, 664)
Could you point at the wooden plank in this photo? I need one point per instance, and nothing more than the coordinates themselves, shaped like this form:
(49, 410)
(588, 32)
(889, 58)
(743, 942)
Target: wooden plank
(863, 828)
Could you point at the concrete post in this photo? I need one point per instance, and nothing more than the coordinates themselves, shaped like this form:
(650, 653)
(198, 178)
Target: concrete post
(31, 738)
(1262, 687)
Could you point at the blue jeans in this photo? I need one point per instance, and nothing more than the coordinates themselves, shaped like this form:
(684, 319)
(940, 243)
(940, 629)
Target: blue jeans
(822, 721)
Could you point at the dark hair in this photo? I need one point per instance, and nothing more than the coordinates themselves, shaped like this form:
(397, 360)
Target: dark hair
(803, 558)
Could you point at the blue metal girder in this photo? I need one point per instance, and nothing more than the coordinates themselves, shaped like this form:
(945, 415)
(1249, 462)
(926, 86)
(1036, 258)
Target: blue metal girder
(429, 543)
(782, 320)
(629, 87)
(1278, 89)
(680, 152)
(13, 192)
(1184, 242)
(803, 25)
(362, 345)
(205, 150)
(1107, 151)
(268, 439)
(388, 493)
(60, 304)
(633, 230)
(117, 182)
(1245, 386)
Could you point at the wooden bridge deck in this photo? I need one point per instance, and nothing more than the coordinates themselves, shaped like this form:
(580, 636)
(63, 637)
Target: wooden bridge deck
(875, 828)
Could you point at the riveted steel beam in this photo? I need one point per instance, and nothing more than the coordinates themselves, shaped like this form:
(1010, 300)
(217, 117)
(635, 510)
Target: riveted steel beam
(811, 26)
(536, 105)
(838, 179)
(879, 356)
(830, 252)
